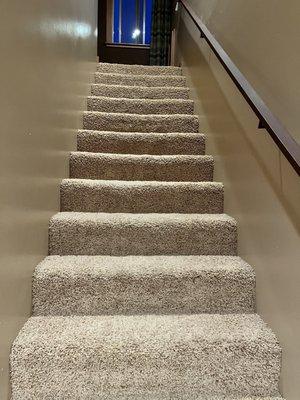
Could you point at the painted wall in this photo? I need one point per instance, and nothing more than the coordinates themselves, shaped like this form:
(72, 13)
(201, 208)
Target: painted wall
(48, 53)
(262, 38)
(262, 191)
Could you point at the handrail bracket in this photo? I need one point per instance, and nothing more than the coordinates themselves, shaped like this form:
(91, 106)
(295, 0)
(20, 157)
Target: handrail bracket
(261, 124)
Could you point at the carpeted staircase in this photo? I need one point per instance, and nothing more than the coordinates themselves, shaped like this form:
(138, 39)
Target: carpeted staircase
(143, 296)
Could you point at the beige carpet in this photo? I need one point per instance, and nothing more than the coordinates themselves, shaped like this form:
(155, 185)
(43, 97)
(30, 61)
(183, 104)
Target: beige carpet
(143, 296)
(140, 143)
(140, 106)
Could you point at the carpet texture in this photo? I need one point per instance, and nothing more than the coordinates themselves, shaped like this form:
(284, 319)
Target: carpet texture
(140, 80)
(95, 120)
(132, 357)
(140, 143)
(140, 106)
(140, 92)
(141, 167)
(141, 197)
(137, 69)
(143, 296)
(122, 234)
(136, 285)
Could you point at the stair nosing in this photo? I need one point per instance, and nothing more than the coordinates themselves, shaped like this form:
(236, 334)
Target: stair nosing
(150, 134)
(156, 116)
(179, 77)
(153, 156)
(181, 88)
(187, 101)
(139, 182)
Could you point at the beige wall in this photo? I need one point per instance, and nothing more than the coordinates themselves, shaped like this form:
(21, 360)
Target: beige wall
(261, 190)
(48, 53)
(262, 38)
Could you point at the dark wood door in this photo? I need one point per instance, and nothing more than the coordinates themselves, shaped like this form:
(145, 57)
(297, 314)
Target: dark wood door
(117, 53)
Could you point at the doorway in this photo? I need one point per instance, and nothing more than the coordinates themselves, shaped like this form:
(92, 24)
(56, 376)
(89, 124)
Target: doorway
(124, 28)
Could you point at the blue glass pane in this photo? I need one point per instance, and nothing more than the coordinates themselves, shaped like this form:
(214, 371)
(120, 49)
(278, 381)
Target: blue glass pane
(116, 21)
(149, 4)
(132, 21)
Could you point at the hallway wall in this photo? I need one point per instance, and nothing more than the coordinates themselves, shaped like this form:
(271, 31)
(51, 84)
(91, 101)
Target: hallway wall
(262, 190)
(262, 38)
(48, 54)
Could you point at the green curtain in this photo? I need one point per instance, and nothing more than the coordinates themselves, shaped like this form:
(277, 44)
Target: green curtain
(161, 32)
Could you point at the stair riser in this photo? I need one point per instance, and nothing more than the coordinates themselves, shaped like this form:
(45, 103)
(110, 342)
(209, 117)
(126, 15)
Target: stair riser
(117, 197)
(138, 70)
(135, 384)
(139, 123)
(135, 143)
(134, 106)
(136, 92)
(96, 295)
(91, 166)
(140, 80)
(123, 237)
(111, 366)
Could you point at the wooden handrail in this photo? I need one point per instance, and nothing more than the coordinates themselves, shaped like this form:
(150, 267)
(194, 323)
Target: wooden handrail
(267, 120)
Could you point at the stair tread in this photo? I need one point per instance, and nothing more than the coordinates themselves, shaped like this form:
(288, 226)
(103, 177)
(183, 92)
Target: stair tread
(134, 68)
(140, 91)
(144, 101)
(167, 157)
(207, 328)
(141, 184)
(138, 218)
(140, 106)
(144, 116)
(142, 284)
(143, 265)
(145, 135)
(140, 122)
(93, 195)
(143, 167)
(119, 355)
(141, 142)
(80, 233)
(140, 79)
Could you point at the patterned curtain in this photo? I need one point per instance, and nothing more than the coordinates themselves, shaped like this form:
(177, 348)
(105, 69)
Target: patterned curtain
(161, 32)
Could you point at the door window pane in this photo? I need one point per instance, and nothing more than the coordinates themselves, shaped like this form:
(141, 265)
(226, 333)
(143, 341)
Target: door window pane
(132, 21)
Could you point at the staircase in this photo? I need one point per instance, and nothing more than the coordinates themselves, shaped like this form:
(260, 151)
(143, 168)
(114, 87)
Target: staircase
(143, 296)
